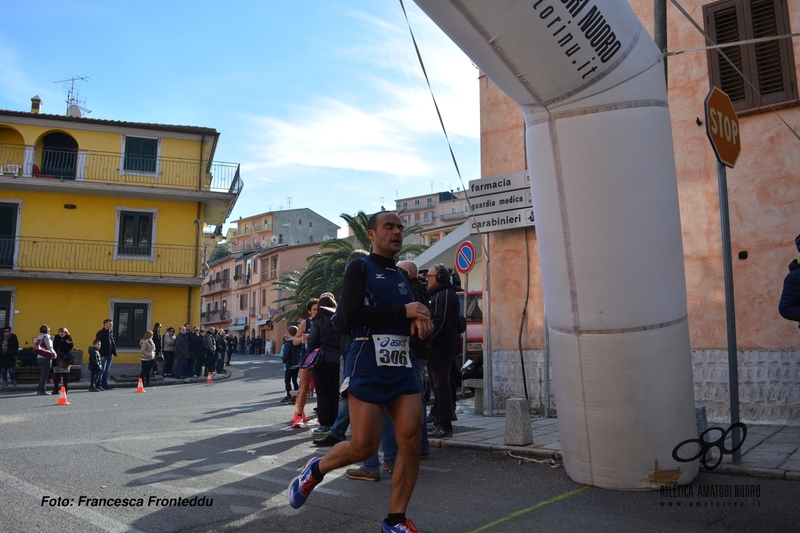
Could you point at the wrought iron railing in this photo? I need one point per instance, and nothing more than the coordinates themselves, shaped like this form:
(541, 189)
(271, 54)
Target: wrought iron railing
(216, 285)
(454, 216)
(116, 168)
(47, 254)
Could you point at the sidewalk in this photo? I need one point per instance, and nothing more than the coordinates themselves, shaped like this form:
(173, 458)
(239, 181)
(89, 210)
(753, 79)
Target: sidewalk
(769, 451)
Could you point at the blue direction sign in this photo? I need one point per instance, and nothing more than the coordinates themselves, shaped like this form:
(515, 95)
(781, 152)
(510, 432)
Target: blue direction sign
(465, 257)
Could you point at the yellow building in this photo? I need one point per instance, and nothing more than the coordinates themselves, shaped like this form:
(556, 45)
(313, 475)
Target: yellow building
(104, 219)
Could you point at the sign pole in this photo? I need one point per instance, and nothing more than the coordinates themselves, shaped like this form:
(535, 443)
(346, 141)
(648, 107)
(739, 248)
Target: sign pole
(464, 335)
(730, 310)
(488, 391)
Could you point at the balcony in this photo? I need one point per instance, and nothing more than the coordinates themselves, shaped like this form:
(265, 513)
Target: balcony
(216, 285)
(262, 227)
(454, 216)
(114, 174)
(214, 316)
(49, 258)
(243, 281)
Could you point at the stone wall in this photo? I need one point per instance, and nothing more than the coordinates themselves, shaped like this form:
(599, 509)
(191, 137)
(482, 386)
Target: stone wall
(769, 383)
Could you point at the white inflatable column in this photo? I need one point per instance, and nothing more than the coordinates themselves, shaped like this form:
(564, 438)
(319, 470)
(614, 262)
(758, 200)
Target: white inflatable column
(591, 85)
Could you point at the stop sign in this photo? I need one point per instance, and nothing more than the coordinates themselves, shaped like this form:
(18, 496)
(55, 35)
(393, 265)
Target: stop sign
(722, 127)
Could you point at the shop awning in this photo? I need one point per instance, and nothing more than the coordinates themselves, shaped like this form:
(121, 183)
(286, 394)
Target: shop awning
(262, 322)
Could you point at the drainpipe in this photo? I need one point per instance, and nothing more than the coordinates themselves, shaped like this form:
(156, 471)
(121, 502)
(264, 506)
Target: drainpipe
(660, 31)
(590, 83)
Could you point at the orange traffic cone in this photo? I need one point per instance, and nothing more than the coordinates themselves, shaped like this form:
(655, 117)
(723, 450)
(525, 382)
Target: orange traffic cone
(140, 388)
(62, 398)
(209, 380)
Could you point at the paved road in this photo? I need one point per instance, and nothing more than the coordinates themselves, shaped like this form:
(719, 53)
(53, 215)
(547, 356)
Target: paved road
(229, 445)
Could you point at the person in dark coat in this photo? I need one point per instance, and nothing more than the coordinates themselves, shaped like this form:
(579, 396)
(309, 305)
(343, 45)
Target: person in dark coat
(789, 307)
(444, 343)
(182, 355)
(108, 350)
(9, 346)
(326, 374)
(95, 361)
(159, 353)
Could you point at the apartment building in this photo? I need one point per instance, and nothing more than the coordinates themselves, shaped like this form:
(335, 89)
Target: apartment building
(104, 219)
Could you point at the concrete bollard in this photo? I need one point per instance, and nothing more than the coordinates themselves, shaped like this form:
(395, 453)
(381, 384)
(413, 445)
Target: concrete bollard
(518, 422)
(700, 419)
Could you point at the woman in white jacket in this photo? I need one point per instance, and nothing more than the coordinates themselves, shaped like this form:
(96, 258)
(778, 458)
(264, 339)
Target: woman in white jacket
(45, 363)
(148, 356)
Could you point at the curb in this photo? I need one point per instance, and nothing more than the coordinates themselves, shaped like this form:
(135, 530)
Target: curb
(124, 383)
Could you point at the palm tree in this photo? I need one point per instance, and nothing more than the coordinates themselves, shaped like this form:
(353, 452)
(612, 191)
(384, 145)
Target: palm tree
(325, 269)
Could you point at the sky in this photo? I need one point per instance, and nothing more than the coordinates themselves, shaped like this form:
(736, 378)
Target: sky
(323, 103)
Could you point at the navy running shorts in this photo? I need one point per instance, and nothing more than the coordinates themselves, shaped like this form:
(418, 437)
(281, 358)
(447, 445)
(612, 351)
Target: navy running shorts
(382, 390)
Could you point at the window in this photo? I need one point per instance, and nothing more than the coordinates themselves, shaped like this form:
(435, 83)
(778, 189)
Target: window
(466, 209)
(452, 210)
(405, 206)
(429, 216)
(263, 297)
(416, 203)
(141, 155)
(769, 65)
(208, 307)
(224, 306)
(135, 233)
(130, 323)
(273, 271)
(430, 202)
(243, 301)
(405, 219)
(216, 306)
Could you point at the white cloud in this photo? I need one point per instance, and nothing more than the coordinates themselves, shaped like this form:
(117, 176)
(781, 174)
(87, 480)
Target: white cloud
(387, 121)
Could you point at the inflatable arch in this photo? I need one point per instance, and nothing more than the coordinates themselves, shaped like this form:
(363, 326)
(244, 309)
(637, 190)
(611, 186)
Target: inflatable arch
(591, 86)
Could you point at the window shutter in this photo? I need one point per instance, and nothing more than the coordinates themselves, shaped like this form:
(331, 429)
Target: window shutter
(769, 66)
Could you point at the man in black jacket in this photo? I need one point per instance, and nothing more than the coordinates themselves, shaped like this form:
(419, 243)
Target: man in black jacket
(789, 307)
(108, 350)
(444, 341)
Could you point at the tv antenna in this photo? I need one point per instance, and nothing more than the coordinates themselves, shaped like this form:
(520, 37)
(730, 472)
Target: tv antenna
(74, 104)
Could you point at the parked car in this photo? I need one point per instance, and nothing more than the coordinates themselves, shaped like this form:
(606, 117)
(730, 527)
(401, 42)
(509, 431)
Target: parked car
(474, 323)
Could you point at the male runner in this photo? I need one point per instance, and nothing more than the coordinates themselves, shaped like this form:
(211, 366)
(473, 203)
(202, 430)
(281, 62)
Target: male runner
(379, 306)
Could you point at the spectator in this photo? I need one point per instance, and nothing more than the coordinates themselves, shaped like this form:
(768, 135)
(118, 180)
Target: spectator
(181, 354)
(108, 350)
(444, 344)
(789, 306)
(326, 374)
(299, 419)
(63, 345)
(168, 347)
(290, 355)
(197, 352)
(159, 358)
(222, 346)
(9, 346)
(148, 351)
(45, 363)
(94, 364)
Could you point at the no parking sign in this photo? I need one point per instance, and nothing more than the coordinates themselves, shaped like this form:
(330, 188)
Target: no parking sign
(465, 257)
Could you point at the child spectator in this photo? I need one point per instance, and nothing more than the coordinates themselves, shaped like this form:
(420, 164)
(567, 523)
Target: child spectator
(94, 364)
(290, 354)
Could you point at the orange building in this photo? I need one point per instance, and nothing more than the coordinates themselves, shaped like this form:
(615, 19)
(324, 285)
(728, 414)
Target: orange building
(763, 200)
